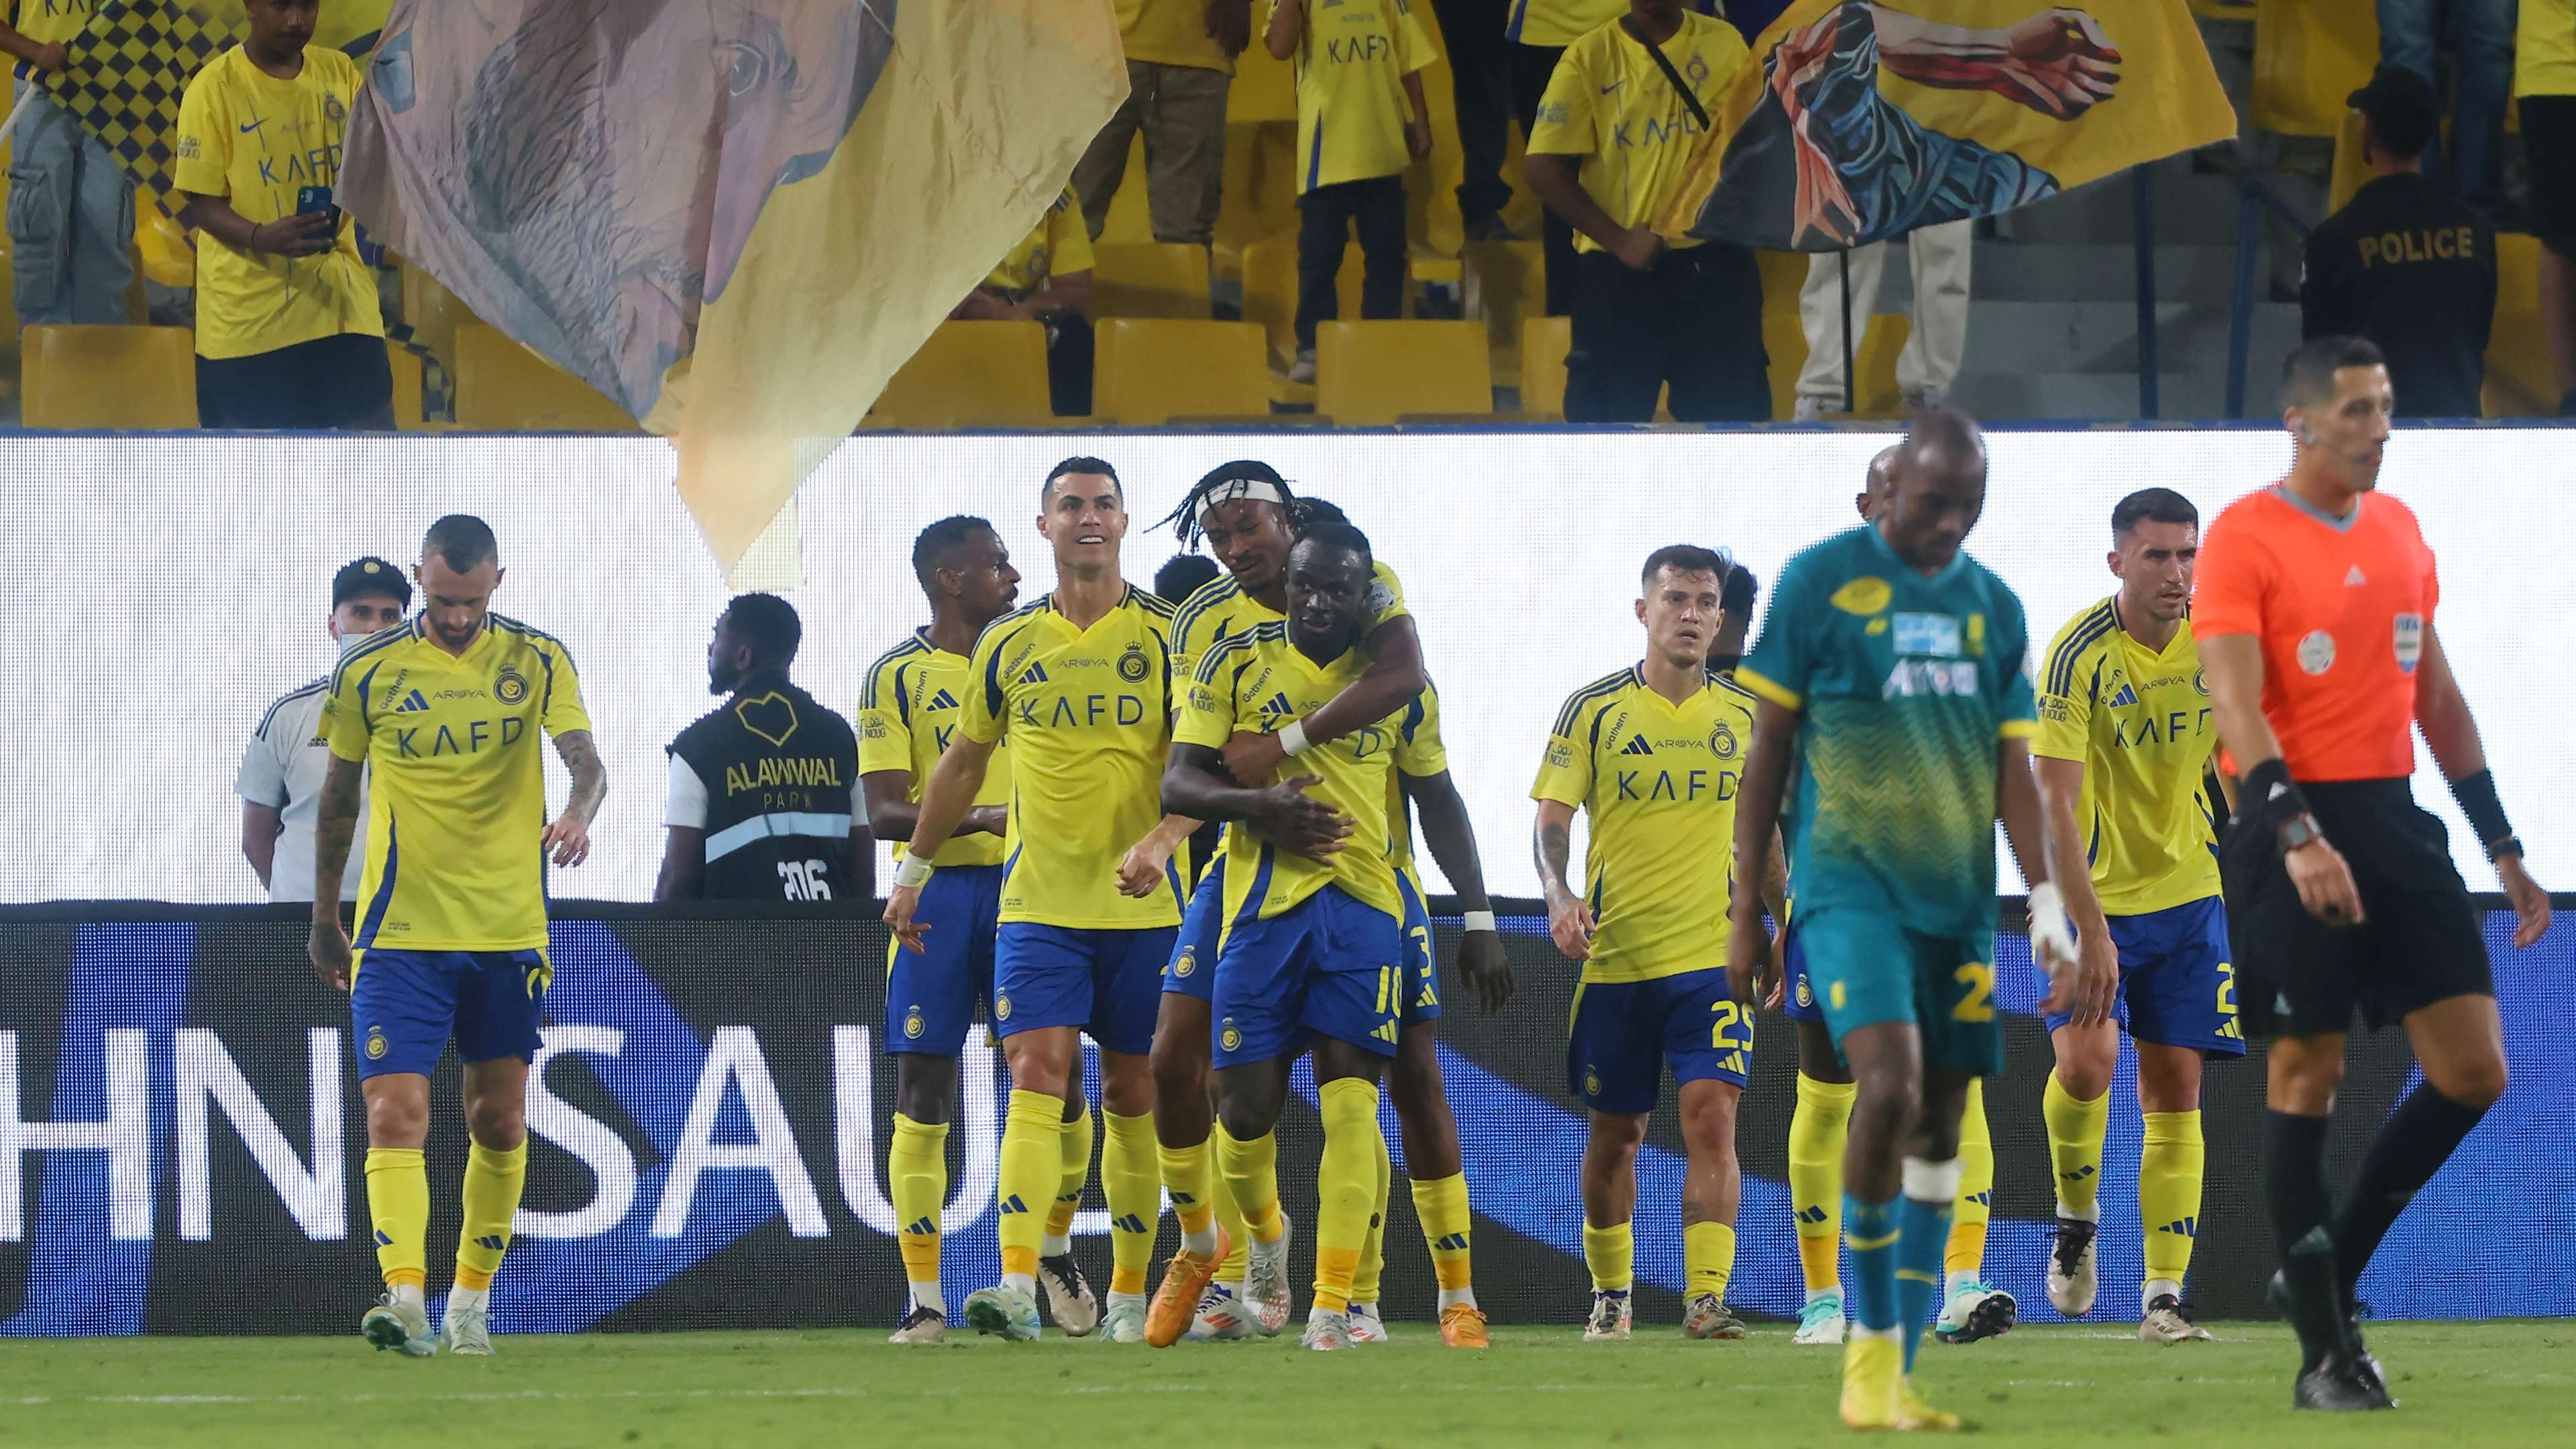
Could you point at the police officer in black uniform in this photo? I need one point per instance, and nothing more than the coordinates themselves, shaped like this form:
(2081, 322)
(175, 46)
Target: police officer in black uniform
(763, 788)
(2405, 263)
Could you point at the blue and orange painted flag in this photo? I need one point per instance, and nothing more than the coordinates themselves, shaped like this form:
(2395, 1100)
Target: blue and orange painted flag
(1860, 120)
(735, 218)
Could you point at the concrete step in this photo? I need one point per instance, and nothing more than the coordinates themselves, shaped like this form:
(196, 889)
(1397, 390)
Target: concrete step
(2191, 209)
(2087, 397)
(2102, 337)
(2022, 272)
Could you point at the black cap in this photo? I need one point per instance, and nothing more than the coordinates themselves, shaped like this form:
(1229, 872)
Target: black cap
(361, 577)
(2402, 108)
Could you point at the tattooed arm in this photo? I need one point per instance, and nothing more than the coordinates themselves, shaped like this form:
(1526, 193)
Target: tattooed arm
(335, 824)
(569, 837)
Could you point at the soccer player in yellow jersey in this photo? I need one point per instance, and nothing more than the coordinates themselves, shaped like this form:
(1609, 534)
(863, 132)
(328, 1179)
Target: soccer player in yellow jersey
(1652, 755)
(2125, 739)
(909, 707)
(1249, 517)
(1312, 950)
(1080, 684)
(441, 717)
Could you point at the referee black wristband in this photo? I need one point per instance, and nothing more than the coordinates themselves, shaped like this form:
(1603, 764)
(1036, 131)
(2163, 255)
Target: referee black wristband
(2477, 796)
(2270, 797)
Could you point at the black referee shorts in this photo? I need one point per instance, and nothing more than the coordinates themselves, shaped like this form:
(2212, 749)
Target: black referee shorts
(2419, 941)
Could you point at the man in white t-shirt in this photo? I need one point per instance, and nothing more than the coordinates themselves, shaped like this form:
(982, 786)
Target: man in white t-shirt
(281, 770)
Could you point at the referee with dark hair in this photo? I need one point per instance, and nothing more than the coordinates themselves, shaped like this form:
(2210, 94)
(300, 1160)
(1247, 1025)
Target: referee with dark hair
(2314, 612)
(764, 800)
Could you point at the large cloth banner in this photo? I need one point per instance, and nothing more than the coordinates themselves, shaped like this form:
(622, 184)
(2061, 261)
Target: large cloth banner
(734, 219)
(1858, 121)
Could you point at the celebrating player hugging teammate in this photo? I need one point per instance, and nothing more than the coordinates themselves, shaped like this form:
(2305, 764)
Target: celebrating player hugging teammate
(1652, 754)
(1080, 683)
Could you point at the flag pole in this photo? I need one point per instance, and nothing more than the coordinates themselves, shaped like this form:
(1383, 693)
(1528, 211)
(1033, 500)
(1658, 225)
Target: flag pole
(29, 89)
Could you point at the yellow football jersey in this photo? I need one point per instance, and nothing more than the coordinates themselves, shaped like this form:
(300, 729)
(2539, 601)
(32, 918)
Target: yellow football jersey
(47, 21)
(1219, 610)
(456, 779)
(1610, 104)
(1088, 716)
(1259, 682)
(1657, 781)
(1058, 246)
(1171, 32)
(2140, 724)
(1352, 58)
(1418, 752)
(908, 708)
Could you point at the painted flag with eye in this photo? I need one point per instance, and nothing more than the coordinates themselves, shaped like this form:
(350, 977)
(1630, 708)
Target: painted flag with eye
(1855, 121)
(735, 218)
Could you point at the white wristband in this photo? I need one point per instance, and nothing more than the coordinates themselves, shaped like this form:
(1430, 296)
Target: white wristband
(2050, 928)
(1292, 737)
(1477, 920)
(913, 874)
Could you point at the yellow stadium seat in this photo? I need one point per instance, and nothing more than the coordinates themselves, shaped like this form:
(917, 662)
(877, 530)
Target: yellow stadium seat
(1501, 284)
(408, 387)
(1270, 288)
(1149, 279)
(502, 387)
(2308, 56)
(1373, 373)
(1148, 371)
(1544, 343)
(1260, 196)
(971, 375)
(433, 313)
(2520, 381)
(1264, 89)
(110, 377)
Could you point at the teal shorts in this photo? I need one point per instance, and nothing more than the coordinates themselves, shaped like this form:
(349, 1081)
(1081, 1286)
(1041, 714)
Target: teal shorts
(1866, 969)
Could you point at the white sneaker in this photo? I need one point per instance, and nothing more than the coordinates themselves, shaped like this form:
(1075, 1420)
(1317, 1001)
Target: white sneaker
(2168, 1320)
(1223, 1316)
(1068, 1297)
(1821, 1321)
(1924, 400)
(921, 1325)
(1303, 369)
(1366, 1326)
(1125, 1322)
(468, 1330)
(1006, 1311)
(1813, 410)
(402, 1326)
(1265, 1279)
(2072, 1281)
(1611, 1316)
(1326, 1331)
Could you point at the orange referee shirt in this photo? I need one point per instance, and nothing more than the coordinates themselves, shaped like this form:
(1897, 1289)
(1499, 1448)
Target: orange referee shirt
(2340, 608)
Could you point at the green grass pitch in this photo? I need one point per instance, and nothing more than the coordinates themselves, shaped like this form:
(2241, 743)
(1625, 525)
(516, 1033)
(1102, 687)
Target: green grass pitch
(2482, 1384)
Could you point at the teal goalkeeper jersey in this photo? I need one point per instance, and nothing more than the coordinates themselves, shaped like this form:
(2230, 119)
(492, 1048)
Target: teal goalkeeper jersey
(1905, 684)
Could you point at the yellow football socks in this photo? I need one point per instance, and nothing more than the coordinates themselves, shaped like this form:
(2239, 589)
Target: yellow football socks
(1076, 1145)
(1611, 1254)
(1441, 1204)
(2075, 1130)
(1238, 1257)
(1134, 1188)
(1189, 1175)
(493, 1182)
(2169, 1174)
(1966, 1254)
(1708, 1258)
(1250, 1171)
(917, 1184)
(1345, 1184)
(1032, 1168)
(1817, 1132)
(398, 1206)
(1366, 1278)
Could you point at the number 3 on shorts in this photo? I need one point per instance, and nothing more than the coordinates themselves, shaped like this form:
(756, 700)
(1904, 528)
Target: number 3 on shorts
(1978, 1004)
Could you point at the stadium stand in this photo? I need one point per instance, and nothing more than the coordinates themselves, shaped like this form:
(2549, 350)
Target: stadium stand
(971, 375)
(2520, 382)
(1369, 374)
(1270, 290)
(502, 387)
(2308, 56)
(109, 377)
(1500, 284)
(1149, 279)
(1544, 341)
(1149, 372)
(410, 388)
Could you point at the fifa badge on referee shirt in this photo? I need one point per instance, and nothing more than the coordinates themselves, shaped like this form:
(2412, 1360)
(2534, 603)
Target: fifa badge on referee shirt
(2409, 641)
